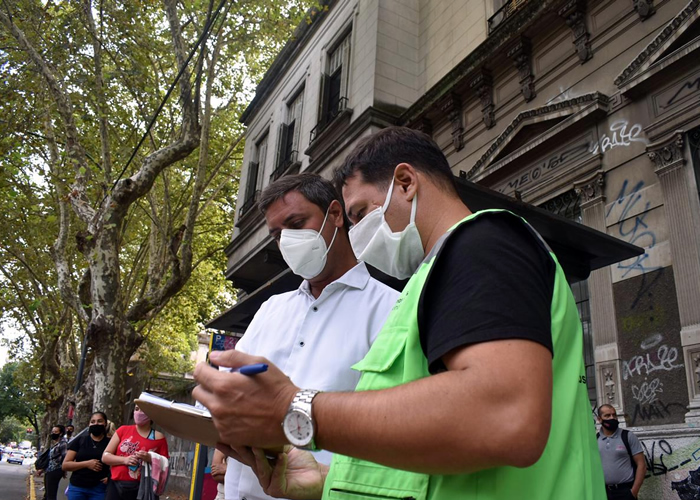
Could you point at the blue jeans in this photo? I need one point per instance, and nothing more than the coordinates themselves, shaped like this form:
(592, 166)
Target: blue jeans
(94, 493)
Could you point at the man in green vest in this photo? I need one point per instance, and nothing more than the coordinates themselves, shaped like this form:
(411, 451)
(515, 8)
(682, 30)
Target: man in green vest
(475, 386)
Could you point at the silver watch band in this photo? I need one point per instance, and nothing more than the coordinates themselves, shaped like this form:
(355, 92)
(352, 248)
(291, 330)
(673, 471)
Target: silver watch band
(302, 401)
(305, 397)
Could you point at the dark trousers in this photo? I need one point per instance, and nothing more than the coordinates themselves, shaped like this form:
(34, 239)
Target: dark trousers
(623, 492)
(52, 479)
(122, 490)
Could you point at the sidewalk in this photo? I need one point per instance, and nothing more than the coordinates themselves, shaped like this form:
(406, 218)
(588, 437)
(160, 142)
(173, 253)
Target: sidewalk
(36, 487)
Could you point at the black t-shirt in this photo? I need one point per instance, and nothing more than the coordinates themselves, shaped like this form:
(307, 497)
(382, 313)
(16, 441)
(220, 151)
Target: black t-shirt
(87, 448)
(493, 279)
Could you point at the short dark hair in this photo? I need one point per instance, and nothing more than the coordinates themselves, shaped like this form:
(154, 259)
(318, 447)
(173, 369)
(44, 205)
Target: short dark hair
(61, 428)
(376, 157)
(313, 187)
(101, 413)
(600, 408)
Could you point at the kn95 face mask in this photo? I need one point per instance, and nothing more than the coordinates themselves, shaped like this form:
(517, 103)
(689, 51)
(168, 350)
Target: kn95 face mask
(396, 254)
(305, 251)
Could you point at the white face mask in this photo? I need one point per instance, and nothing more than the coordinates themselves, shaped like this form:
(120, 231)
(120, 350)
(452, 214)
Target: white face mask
(396, 254)
(304, 250)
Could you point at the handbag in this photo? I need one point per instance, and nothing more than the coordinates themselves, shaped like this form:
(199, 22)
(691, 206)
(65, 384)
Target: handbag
(146, 490)
(42, 461)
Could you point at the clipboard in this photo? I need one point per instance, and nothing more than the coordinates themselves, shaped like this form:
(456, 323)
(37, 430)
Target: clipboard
(180, 419)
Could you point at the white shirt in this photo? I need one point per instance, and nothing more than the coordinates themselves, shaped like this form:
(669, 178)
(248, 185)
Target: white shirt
(314, 342)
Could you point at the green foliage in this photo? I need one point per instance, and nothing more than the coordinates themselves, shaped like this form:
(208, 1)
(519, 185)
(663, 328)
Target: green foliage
(12, 429)
(18, 397)
(37, 172)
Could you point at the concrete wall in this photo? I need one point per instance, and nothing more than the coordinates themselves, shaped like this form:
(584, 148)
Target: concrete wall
(449, 31)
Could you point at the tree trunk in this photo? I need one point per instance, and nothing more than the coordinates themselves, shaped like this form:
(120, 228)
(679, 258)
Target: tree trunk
(111, 365)
(113, 338)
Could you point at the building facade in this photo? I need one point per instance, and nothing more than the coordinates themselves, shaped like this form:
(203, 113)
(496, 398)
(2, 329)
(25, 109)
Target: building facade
(588, 109)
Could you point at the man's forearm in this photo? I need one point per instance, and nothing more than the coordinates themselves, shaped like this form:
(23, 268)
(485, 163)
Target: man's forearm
(639, 476)
(442, 423)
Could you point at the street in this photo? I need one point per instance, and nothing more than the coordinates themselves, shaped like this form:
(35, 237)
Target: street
(13, 479)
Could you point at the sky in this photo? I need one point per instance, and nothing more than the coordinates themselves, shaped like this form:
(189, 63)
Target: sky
(3, 355)
(6, 333)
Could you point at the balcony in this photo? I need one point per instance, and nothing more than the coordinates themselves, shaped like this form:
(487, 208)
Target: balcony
(502, 14)
(249, 203)
(330, 116)
(289, 165)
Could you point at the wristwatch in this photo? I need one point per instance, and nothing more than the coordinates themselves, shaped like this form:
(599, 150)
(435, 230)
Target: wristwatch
(298, 425)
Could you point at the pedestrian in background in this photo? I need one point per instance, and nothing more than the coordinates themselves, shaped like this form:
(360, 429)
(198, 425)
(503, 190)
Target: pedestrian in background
(128, 448)
(624, 466)
(54, 472)
(89, 476)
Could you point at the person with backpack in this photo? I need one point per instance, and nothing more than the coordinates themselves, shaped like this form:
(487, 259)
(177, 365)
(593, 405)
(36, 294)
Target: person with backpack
(621, 452)
(89, 476)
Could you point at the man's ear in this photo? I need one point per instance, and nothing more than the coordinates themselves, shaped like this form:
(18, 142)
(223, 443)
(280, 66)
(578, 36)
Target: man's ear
(335, 213)
(406, 180)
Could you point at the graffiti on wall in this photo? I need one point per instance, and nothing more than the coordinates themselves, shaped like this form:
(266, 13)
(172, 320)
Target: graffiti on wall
(635, 230)
(673, 468)
(620, 134)
(687, 88)
(647, 392)
(655, 356)
(652, 368)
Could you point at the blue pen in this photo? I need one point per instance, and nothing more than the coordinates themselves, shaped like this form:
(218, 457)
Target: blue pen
(251, 369)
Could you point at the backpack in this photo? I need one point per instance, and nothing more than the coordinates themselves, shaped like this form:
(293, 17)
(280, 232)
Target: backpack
(42, 461)
(626, 441)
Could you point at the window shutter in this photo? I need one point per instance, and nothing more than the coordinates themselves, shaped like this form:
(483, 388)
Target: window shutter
(289, 143)
(282, 146)
(323, 100)
(252, 182)
(345, 68)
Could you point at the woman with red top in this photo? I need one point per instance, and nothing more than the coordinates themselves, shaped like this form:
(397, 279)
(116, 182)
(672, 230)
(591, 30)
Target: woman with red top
(125, 452)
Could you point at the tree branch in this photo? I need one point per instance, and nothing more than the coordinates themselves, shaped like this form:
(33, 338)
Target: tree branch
(99, 90)
(65, 108)
(58, 250)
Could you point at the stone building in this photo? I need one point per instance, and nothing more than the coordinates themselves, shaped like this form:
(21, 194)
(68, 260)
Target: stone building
(588, 109)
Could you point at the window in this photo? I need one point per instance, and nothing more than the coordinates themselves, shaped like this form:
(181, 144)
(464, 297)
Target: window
(569, 205)
(503, 9)
(334, 85)
(255, 168)
(288, 140)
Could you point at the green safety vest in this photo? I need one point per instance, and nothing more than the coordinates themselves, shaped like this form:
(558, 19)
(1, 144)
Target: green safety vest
(570, 466)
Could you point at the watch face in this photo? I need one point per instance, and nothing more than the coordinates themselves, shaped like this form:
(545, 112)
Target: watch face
(298, 428)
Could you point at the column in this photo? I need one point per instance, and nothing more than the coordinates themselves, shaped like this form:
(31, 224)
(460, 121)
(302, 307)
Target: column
(607, 357)
(682, 206)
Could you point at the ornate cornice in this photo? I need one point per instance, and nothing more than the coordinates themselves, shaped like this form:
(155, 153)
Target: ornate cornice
(482, 84)
(452, 106)
(283, 60)
(423, 125)
(645, 8)
(657, 43)
(521, 54)
(591, 190)
(526, 15)
(667, 155)
(574, 14)
(524, 115)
